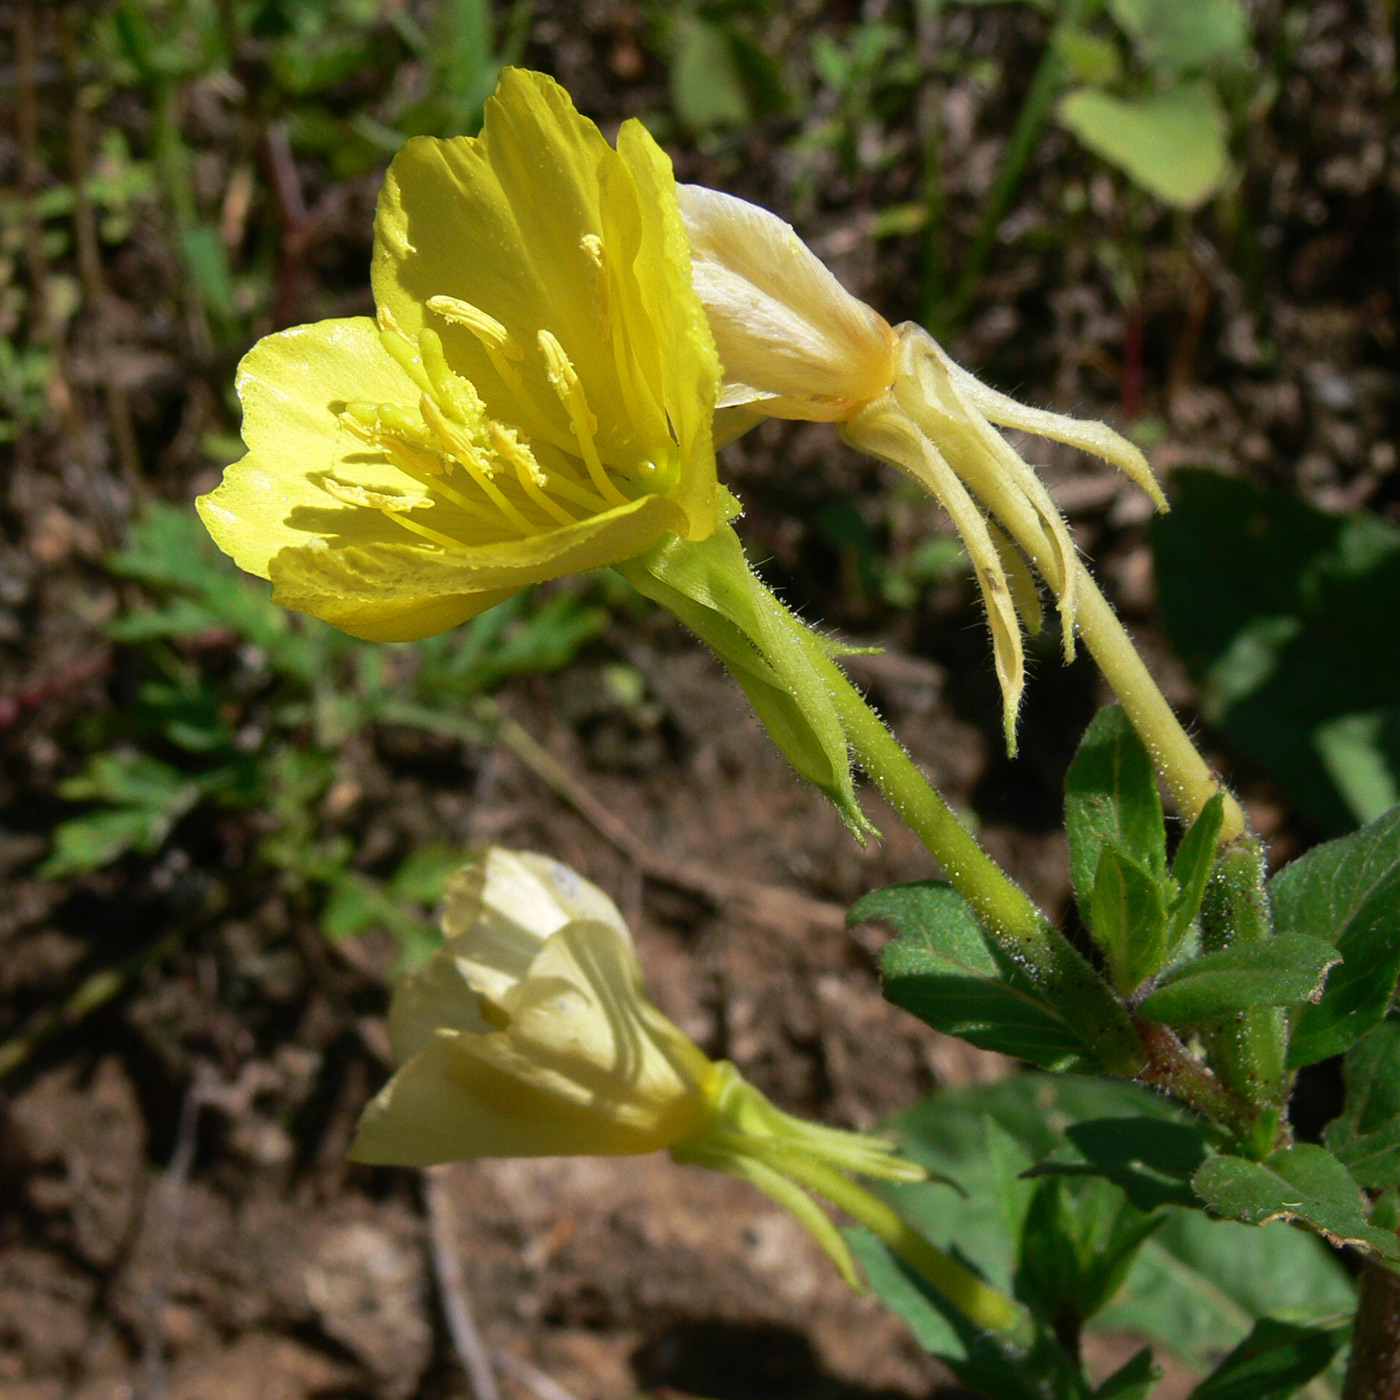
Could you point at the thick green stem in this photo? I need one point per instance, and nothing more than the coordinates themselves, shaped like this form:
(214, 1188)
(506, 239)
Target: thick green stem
(1190, 778)
(1027, 936)
(1000, 903)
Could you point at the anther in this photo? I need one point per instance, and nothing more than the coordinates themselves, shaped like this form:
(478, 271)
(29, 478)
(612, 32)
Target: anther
(485, 327)
(592, 247)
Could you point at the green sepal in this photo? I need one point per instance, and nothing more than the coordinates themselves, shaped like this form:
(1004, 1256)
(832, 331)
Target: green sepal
(709, 586)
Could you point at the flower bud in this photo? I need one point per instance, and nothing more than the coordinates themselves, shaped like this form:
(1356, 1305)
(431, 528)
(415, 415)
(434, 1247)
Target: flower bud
(792, 341)
(529, 1033)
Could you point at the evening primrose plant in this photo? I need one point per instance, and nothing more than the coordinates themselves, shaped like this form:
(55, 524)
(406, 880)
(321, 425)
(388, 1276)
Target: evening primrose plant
(562, 337)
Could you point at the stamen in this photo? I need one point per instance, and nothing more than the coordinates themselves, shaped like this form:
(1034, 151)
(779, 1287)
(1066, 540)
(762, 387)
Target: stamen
(436, 536)
(510, 448)
(485, 327)
(377, 498)
(474, 462)
(592, 247)
(564, 380)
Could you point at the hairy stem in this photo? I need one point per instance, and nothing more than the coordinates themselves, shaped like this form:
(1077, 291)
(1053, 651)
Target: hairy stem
(1176, 758)
(954, 1280)
(1037, 946)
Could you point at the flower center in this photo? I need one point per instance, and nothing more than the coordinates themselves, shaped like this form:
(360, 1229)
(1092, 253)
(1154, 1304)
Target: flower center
(506, 485)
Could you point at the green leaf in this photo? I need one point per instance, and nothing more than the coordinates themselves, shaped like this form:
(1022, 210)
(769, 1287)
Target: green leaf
(1133, 1380)
(1274, 1362)
(942, 970)
(1128, 919)
(1304, 1183)
(1366, 1135)
(1281, 971)
(146, 798)
(1175, 35)
(1348, 892)
(1171, 143)
(1151, 1160)
(1076, 1248)
(1285, 617)
(1091, 58)
(1191, 869)
(1111, 799)
(1196, 1286)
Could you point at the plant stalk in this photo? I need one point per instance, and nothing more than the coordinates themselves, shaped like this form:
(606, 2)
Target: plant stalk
(1190, 779)
(1027, 936)
(1373, 1373)
(973, 1297)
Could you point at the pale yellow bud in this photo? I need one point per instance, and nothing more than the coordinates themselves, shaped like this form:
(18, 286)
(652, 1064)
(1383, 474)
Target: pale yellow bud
(792, 341)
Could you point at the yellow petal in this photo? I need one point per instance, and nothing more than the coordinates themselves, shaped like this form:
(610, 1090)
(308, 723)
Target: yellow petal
(293, 386)
(436, 996)
(789, 335)
(447, 1104)
(499, 910)
(390, 591)
(538, 224)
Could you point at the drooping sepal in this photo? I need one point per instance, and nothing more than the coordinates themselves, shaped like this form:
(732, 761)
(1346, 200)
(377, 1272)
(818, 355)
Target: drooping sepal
(709, 586)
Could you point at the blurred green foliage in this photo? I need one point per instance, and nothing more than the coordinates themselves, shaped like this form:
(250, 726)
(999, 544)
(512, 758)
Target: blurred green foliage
(1030, 1198)
(1286, 616)
(240, 705)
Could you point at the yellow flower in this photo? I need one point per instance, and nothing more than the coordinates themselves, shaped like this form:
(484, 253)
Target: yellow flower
(795, 344)
(529, 1033)
(533, 397)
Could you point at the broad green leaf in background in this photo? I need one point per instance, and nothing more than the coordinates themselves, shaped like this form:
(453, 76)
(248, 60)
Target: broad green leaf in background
(1171, 143)
(1283, 971)
(1366, 1135)
(1304, 1183)
(943, 971)
(1181, 35)
(1151, 1159)
(1348, 892)
(1197, 1285)
(1111, 798)
(1287, 618)
(1274, 1362)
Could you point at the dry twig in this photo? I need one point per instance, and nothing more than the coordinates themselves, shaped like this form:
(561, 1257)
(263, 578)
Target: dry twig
(534, 1380)
(452, 1287)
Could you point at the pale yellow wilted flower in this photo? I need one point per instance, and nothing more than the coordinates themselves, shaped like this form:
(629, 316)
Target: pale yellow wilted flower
(529, 1033)
(793, 343)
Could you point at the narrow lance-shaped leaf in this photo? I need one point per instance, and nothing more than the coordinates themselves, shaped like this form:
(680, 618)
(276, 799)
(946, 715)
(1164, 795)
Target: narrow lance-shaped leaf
(1128, 919)
(1304, 1183)
(1348, 892)
(1111, 799)
(1191, 869)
